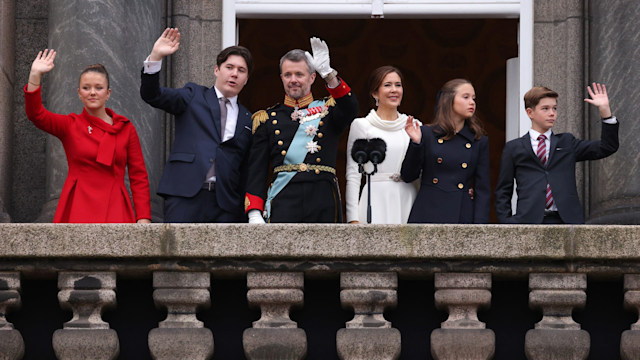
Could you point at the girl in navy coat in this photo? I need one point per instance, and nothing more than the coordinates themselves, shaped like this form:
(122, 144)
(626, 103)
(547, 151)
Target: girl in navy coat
(452, 154)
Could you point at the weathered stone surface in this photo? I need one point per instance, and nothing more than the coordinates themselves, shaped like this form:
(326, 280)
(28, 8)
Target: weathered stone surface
(630, 340)
(174, 343)
(11, 342)
(368, 344)
(280, 343)
(181, 335)
(557, 344)
(468, 344)
(86, 335)
(557, 335)
(275, 335)
(462, 335)
(7, 49)
(78, 344)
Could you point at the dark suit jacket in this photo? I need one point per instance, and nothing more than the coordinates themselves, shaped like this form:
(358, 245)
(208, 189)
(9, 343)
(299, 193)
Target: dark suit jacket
(520, 162)
(449, 168)
(198, 143)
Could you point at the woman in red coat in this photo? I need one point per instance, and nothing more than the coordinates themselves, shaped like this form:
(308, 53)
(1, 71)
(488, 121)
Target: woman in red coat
(99, 145)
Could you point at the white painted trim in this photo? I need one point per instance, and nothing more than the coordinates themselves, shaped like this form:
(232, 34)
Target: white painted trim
(229, 30)
(525, 47)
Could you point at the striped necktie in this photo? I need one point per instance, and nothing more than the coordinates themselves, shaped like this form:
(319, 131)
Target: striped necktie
(542, 155)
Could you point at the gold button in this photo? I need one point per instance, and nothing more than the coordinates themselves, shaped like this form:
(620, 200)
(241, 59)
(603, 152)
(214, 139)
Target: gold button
(460, 186)
(464, 165)
(317, 171)
(280, 142)
(435, 180)
(303, 167)
(274, 122)
(321, 123)
(468, 146)
(320, 135)
(349, 93)
(440, 141)
(439, 160)
(273, 113)
(284, 152)
(319, 147)
(277, 132)
(318, 160)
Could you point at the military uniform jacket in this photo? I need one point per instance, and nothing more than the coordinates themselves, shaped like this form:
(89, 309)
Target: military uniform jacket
(274, 131)
(449, 168)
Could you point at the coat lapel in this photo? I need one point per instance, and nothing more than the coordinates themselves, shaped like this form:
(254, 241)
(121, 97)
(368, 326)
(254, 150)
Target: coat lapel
(214, 107)
(553, 142)
(525, 140)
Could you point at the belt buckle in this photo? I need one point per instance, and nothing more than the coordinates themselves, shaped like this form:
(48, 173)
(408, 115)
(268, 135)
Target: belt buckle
(303, 167)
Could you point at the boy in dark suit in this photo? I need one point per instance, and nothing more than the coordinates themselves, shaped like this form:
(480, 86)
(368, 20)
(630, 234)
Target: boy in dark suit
(205, 175)
(543, 163)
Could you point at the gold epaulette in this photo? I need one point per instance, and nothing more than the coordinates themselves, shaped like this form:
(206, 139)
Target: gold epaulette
(330, 101)
(259, 117)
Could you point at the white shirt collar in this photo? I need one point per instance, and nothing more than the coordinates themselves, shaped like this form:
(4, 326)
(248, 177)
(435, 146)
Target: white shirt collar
(232, 100)
(534, 134)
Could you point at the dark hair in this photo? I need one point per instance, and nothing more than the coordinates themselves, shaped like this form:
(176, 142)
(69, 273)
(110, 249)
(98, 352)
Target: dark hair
(297, 55)
(236, 50)
(444, 108)
(375, 80)
(537, 93)
(99, 68)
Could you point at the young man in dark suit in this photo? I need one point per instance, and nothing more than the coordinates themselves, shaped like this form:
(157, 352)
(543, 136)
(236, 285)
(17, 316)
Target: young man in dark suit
(543, 163)
(204, 178)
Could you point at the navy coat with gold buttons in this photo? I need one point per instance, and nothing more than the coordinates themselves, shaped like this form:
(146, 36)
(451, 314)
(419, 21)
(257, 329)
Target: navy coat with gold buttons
(449, 168)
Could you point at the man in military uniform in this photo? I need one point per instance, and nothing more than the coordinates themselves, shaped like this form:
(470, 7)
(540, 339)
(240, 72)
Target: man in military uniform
(299, 140)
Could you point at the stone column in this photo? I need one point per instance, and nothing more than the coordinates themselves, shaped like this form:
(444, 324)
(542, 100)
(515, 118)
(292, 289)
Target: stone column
(181, 335)
(557, 335)
(613, 53)
(86, 336)
(118, 34)
(369, 335)
(630, 341)
(275, 335)
(11, 343)
(462, 335)
(7, 70)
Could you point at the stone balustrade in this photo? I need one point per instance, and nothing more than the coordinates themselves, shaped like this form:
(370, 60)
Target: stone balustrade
(184, 263)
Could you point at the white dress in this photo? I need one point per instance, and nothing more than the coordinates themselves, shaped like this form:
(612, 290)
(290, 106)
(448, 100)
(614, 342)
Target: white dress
(391, 200)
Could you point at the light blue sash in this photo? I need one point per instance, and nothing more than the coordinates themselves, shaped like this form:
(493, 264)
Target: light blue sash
(296, 153)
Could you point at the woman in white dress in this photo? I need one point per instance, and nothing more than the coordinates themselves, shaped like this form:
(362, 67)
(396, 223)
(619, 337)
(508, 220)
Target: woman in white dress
(391, 198)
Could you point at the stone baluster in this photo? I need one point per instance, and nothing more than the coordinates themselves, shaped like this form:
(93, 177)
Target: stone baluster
(630, 341)
(11, 343)
(86, 336)
(275, 335)
(181, 335)
(368, 335)
(557, 335)
(462, 335)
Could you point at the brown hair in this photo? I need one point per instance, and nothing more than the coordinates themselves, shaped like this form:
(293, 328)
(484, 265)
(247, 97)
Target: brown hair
(537, 93)
(236, 50)
(444, 108)
(375, 80)
(99, 68)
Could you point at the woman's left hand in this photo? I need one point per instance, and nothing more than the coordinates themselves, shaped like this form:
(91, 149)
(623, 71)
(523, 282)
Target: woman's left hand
(144, 221)
(413, 130)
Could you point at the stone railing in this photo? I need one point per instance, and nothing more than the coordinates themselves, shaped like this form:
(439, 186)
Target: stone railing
(460, 261)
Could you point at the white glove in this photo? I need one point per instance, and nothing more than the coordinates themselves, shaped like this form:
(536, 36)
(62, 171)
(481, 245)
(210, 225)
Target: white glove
(255, 217)
(320, 57)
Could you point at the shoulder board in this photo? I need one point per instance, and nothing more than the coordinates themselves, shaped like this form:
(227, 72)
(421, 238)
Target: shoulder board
(329, 101)
(273, 107)
(259, 117)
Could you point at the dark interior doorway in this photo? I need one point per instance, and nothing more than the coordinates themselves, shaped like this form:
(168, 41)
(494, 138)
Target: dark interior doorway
(429, 52)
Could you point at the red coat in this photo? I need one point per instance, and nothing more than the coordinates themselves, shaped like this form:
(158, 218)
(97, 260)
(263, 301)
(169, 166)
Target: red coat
(97, 154)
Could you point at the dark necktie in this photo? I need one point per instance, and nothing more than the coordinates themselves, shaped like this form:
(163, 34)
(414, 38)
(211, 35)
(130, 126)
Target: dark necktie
(223, 122)
(223, 115)
(542, 155)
